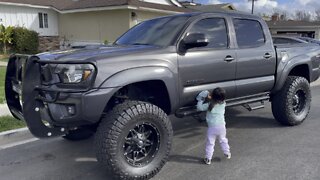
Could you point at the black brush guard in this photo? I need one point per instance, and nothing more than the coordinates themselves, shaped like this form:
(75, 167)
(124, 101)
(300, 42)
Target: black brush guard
(23, 79)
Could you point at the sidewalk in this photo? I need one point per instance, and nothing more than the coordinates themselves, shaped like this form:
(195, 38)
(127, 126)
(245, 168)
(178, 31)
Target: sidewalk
(3, 63)
(4, 111)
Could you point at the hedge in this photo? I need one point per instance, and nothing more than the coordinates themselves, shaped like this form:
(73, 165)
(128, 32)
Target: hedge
(25, 41)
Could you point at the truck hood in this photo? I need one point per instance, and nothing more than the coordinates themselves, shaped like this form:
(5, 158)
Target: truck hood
(95, 53)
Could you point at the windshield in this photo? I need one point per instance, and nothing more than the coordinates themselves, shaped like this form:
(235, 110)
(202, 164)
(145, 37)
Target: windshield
(158, 32)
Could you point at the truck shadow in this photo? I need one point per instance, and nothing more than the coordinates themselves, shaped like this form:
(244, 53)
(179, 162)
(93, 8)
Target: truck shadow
(235, 118)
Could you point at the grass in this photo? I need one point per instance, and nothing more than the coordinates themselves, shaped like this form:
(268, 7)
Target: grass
(2, 79)
(9, 123)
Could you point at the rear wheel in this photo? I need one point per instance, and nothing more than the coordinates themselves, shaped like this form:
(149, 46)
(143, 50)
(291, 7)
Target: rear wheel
(134, 140)
(291, 105)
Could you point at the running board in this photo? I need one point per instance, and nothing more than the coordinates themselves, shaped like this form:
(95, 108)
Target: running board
(252, 108)
(244, 101)
(248, 99)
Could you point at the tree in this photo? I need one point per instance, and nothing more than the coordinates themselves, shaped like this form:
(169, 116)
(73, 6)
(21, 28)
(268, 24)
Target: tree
(317, 15)
(281, 14)
(302, 16)
(5, 36)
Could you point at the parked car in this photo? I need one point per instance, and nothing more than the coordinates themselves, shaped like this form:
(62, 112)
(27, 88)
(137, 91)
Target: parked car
(125, 92)
(310, 40)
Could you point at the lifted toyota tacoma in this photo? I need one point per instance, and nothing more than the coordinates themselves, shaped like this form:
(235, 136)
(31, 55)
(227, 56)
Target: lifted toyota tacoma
(124, 93)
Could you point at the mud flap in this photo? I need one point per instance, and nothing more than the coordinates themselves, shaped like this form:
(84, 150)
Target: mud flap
(22, 79)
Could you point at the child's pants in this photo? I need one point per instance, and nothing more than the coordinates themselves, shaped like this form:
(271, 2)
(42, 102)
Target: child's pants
(212, 134)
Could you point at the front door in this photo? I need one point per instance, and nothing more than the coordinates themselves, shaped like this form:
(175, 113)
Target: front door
(208, 67)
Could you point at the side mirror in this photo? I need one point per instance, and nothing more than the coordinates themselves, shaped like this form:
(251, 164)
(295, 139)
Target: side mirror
(195, 40)
(192, 41)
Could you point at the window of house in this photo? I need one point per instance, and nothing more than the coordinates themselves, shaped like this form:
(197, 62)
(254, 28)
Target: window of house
(43, 20)
(215, 31)
(249, 33)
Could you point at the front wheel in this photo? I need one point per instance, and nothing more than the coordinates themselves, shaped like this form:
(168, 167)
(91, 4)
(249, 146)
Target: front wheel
(291, 105)
(134, 140)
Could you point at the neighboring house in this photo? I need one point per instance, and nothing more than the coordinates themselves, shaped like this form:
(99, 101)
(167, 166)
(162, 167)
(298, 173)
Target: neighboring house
(82, 21)
(208, 8)
(295, 28)
(76, 22)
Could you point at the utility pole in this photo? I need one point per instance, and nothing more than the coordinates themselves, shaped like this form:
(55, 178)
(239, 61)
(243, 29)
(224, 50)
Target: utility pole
(252, 6)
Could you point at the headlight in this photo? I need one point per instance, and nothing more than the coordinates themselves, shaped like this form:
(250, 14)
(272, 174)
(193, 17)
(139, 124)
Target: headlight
(77, 74)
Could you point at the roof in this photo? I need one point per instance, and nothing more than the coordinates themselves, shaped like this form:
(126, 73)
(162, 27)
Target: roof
(65, 5)
(213, 7)
(291, 23)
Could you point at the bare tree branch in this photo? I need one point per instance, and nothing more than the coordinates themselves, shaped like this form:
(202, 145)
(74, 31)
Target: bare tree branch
(302, 16)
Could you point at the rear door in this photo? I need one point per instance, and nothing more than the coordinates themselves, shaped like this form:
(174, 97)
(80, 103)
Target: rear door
(208, 67)
(256, 58)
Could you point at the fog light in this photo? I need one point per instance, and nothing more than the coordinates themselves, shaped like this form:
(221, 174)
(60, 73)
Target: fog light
(71, 110)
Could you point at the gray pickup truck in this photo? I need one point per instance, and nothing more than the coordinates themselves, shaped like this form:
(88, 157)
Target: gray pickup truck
(124, 93)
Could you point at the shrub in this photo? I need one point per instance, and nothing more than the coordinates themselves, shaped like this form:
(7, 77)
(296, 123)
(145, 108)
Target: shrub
(25, 41)
(5, 37)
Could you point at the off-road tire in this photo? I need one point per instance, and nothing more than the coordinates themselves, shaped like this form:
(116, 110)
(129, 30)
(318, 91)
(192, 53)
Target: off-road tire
(283, 102)
(79, 134)
(112, 134)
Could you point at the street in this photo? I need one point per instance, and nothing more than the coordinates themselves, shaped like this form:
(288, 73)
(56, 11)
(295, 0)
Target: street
(261, 149)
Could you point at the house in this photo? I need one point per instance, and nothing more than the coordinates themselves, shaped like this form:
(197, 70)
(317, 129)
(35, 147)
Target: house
(64, 22)
(208, 8)
(294, 28)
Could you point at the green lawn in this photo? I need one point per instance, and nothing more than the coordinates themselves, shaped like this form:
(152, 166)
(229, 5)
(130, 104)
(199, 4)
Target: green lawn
(2, 77)
(9, 123)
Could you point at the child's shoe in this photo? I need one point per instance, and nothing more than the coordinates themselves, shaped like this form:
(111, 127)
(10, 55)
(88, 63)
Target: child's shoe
(228, 156)
(207, 161)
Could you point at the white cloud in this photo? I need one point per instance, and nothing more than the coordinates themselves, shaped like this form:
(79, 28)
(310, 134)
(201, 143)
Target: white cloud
(261, 6)
(269, 6)
(214, 2)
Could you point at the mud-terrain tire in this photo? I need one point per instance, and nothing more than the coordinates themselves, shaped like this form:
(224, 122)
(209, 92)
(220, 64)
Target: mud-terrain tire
(291, 105)
(133, 140)
(79, 134)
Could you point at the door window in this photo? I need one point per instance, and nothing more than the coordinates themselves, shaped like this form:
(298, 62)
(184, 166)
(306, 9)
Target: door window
(215, 31)
(249, 33)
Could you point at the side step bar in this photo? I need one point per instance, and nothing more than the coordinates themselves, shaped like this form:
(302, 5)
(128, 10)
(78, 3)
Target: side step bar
(244, 101)
(252, 108)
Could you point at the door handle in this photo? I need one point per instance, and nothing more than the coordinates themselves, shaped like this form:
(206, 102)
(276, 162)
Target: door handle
(267, 55)
(228, 59)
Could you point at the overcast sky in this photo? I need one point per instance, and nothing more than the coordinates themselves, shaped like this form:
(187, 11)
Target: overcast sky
(267, 6)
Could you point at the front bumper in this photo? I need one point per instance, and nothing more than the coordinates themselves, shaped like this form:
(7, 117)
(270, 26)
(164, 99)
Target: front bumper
(49, 111)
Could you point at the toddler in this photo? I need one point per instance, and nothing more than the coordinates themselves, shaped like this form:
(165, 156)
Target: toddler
(214, 104)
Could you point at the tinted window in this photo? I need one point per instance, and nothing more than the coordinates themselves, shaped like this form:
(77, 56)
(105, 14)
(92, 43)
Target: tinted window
(249, 33)
(215, 31)
(159, 32)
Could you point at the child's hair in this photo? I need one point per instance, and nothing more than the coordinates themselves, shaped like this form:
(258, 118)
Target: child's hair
(218, 96)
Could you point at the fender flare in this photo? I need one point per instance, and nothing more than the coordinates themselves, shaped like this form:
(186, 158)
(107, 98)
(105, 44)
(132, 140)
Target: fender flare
(149, 73)
(284, 69)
